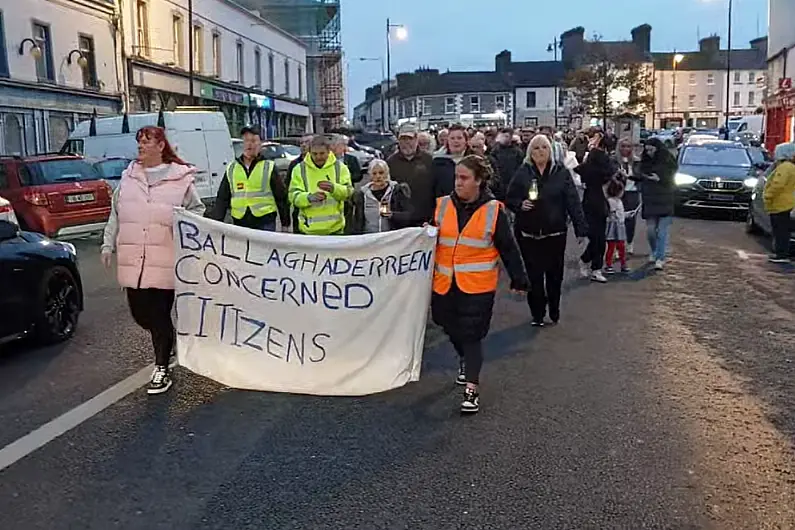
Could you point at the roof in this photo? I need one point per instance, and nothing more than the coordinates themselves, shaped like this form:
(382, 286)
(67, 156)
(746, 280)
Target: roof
(623, 49)
(457, 83)
(536, 73)
(746, 59)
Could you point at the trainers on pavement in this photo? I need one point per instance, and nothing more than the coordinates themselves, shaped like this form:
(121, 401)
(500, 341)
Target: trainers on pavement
(597, 276)
(659, 265)
(537, 323)
(160, 382)
(609, 270)
(625, 269)
(652, 258)
(461, 378)
(777, 259)
(630, 249)
(471, 401)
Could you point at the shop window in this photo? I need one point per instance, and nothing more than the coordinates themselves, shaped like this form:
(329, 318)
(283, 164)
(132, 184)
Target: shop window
(12, 133)
(44, 65)
(3, 52)
(59, 131)
(86, 46)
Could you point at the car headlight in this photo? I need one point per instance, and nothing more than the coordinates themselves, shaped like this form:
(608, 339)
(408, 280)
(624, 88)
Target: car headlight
(751, 182)
(682, 179)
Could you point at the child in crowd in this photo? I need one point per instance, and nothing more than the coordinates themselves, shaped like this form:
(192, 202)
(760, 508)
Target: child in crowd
(616, 227)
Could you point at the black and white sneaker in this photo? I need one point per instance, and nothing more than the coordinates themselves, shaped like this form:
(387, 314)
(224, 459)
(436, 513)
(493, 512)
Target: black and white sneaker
(461, 378)
(471, 401)
(773, 258)
(537, 323)
(161, 381)
(609, 270)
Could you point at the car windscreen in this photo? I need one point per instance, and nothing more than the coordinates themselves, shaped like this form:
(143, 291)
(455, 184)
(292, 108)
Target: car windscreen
(56, 171)
(707, 155)
(292, 150)
(112, 169)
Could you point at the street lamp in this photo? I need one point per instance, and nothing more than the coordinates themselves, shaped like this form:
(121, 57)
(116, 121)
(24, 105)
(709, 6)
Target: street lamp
(728, 70)
(678, 58)
(35, 49)
(401, 33)
(553, 47)
(82, 62)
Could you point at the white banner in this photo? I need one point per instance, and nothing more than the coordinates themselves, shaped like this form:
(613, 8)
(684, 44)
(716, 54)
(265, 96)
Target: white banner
(335, 315)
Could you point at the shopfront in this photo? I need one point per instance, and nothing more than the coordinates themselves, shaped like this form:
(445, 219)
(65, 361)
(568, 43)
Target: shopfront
(261, 113)
(37, 119)
(289, 118)
(780, 119)
(234, 105)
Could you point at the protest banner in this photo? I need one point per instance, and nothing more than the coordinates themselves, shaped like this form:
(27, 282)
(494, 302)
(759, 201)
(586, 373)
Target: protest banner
(333, 315)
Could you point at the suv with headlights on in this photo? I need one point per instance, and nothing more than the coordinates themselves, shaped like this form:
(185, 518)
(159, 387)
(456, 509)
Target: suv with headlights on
(715, 175)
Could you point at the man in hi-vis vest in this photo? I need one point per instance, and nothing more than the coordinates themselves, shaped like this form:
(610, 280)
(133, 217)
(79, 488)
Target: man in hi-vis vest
(251, 190)
(319, 187)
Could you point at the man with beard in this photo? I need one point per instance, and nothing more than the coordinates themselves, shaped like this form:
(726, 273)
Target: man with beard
(412, 166)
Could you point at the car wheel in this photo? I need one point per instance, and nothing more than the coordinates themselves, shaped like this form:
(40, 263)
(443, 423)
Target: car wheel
(59, 307)
(750, 224)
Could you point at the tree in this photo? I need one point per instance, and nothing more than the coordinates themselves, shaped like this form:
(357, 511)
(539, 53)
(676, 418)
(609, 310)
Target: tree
(611, 79)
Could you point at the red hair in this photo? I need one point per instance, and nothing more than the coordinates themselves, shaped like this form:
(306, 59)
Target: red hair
(158, 134)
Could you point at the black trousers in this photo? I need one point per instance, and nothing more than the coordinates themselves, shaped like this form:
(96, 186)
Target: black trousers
(544, 260)
(597, 243)
(151, 309)
(472, 355)
(780, 225)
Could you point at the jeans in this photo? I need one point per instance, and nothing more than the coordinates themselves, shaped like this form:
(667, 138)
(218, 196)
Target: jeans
(657, 229)
(472, 355)
(597, 241)
(780, 225)
(151, 309)
(544, 260)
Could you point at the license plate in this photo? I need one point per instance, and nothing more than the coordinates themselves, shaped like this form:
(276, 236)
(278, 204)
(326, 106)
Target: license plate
(720, 197)
(80, 197)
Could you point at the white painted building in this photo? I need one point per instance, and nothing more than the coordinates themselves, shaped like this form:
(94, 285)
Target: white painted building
(57, 65)
(780, 103)
(535, 106)
(251, 69)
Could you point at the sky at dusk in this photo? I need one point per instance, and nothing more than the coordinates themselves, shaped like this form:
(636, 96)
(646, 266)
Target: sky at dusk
(467, 34)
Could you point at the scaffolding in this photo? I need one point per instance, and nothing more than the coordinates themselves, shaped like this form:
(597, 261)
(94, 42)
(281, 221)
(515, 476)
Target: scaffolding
(317, 24)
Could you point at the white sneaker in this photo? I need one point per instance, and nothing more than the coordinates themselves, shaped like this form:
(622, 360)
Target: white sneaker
(659, 265)
(585, 269)
(652, 258)
(630, 249)
(597, 276)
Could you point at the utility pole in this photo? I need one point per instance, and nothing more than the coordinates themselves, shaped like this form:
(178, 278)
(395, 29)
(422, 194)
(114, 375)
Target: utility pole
(728, 71)
(554, 48)
(190, 50)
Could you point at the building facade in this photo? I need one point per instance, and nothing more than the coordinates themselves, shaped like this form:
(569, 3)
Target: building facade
(690, 86)
(780, 102)
(252, 70)
(58, 65)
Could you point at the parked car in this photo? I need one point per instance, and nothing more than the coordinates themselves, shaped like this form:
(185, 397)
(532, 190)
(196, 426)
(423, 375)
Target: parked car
(7, 212)
(758, 221)
(715, 175)
(280, 154)
(61, 196)
(111, 169)
(41, 293)
(384, 142)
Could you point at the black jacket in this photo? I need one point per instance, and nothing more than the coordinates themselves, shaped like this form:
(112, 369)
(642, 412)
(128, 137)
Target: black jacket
(467, 317)
(596, 171)
(354, 167)
(416, 173)
(223, 199)
(443, 171)
(558, 201)
(508, 158)
(399, 204)
(658, 197)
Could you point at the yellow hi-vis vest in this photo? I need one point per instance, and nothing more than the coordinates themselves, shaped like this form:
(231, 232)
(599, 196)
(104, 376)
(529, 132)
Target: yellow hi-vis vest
(324, 218)
(252, 191)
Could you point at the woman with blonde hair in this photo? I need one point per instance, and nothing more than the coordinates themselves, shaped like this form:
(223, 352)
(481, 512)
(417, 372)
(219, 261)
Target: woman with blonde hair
(382, 204)
(543, 196)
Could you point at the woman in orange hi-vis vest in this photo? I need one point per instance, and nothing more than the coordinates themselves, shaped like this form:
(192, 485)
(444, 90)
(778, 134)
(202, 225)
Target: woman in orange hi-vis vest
(474, 233)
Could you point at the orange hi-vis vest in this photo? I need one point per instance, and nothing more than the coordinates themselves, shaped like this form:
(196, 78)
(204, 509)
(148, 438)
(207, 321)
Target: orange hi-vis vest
(469, 255)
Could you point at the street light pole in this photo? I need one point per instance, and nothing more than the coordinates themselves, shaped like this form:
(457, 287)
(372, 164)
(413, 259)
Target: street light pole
(190, 49)
(728, 71)
(385, 124)
(554, 48)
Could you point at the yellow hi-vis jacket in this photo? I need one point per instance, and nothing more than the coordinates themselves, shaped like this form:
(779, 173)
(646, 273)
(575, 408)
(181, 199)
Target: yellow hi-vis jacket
(327, 217)
(252, 191)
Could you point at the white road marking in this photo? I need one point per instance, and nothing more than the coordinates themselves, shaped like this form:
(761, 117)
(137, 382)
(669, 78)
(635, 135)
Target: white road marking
(742, 254)
(40, 437)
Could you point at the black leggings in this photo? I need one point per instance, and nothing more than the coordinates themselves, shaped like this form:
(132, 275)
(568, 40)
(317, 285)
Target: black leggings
(544, 260)
(597, 243)
(472, 355)
(151, 309)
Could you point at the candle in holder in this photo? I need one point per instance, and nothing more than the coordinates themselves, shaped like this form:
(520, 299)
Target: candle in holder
(383, 208)
(533, 193)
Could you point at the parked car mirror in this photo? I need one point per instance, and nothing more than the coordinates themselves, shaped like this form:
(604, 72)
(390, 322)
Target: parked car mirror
(8, 230)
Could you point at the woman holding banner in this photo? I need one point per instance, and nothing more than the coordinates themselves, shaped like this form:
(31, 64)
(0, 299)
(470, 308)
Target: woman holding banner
(140, 231)
(474, 233)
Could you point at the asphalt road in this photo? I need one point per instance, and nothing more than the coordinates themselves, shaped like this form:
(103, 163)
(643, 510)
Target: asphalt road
(663, 400)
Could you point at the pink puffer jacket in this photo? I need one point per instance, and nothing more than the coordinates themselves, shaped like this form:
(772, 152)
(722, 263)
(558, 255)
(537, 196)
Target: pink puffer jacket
(145, 245)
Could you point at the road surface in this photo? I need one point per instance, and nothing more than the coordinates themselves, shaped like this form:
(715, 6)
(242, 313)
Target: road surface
(662, 401)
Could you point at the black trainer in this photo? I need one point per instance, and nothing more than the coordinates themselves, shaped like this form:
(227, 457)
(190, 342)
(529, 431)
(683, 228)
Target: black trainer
(471, 401)
(537, 323)
(461, 378)
(161, 381)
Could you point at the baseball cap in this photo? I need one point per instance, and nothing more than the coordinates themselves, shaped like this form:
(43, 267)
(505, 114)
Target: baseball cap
(407, 129)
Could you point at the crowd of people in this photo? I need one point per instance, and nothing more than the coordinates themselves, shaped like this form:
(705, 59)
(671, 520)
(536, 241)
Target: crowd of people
(493, 196)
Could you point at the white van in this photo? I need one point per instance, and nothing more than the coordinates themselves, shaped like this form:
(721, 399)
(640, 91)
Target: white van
(201, 138)
(753, 124)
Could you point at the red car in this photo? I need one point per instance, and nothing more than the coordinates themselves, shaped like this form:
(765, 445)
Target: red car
(61, 196)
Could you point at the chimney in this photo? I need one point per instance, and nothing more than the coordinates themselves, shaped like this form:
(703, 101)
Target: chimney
(572, 45)
(502, 62)
(710, 45)
(641, 38)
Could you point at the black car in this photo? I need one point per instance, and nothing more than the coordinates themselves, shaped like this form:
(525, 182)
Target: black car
(715, 175)
(41, 294)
